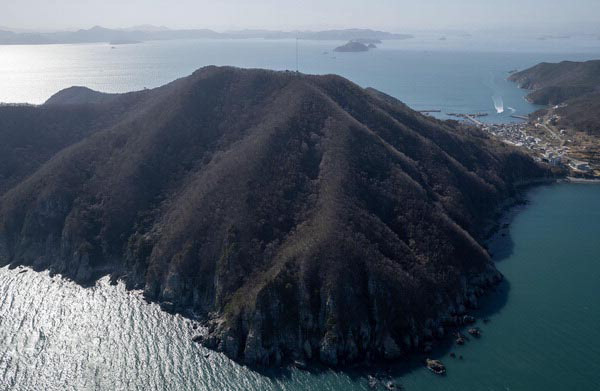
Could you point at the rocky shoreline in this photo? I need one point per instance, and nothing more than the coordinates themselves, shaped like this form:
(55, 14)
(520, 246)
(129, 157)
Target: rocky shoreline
(433, 332)
(449, 322)
(436, 330)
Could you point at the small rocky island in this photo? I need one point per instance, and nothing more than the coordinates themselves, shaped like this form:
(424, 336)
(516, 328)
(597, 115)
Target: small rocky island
(355, 47)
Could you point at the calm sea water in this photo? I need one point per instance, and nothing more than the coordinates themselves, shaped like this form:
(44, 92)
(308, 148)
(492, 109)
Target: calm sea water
(543, 333)
(460, 74)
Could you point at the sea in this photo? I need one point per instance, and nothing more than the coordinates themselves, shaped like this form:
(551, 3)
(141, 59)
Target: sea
(541, 330)
(461, 74)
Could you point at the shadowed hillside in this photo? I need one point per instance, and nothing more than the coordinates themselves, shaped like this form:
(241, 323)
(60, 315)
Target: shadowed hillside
(302, 217)
(574, 85)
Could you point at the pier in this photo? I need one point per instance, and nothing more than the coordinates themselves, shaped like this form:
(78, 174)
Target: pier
(475, 121)
(523, 117)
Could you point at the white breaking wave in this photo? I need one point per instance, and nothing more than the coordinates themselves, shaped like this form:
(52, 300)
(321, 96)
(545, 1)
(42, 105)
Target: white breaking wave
(498, 104)
(512, 111)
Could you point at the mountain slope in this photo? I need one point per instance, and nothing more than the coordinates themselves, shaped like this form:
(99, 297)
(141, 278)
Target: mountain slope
(573, 85)
(566, 74)
(30, 135)
(301, 216)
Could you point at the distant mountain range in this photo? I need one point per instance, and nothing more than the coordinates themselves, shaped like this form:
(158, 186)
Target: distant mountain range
(151, 33)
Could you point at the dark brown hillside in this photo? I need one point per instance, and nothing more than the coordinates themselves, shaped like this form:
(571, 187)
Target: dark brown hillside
(573, 85)
(82, 95)
(31, 135)
(564, 74)
(302, 217)
(582, 113)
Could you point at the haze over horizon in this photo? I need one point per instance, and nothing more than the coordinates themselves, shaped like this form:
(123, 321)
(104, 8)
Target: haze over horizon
(538, 16)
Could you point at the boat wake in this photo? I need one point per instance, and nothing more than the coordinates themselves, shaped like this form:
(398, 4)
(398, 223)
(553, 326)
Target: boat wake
(498, 104)
(512, 111)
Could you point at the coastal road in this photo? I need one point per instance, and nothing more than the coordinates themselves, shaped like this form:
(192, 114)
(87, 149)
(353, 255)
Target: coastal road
(545, 126)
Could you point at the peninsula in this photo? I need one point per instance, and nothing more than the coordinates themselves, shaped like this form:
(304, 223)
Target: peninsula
(568, 127)
(298, 217)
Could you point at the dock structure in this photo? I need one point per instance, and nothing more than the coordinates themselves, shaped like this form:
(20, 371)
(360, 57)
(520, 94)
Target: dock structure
(430, 111)
(523, 117)
(474, 120)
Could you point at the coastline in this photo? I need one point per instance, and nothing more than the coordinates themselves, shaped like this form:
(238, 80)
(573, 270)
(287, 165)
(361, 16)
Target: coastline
(571, 179)
(474, 372)
(511, 203)
(472, 311)
(454, 318)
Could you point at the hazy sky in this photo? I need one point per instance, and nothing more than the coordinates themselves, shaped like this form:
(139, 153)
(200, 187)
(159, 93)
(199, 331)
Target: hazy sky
(394, 15)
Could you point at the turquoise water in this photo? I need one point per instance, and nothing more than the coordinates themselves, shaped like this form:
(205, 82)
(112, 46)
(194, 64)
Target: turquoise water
(546, 335)
(461, 74)
(543, 333)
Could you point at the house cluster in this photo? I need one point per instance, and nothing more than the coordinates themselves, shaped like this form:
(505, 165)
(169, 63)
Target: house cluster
(579, 165)
(513, 133)
(550, 151)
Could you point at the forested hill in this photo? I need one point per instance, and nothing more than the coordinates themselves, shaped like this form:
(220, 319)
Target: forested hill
(302, 217)
(573, 85)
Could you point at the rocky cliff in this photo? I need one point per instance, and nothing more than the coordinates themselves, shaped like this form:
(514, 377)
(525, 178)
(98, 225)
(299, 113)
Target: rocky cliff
(301, 217)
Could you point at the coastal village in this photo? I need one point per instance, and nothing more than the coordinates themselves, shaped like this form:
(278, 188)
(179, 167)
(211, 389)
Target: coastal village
(574, 151)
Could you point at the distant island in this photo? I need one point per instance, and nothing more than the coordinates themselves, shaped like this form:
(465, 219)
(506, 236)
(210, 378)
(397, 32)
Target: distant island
(358, 45)
(151, 33)
(300, 218)
(353, 46)
(124, 42)
(553, 37)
